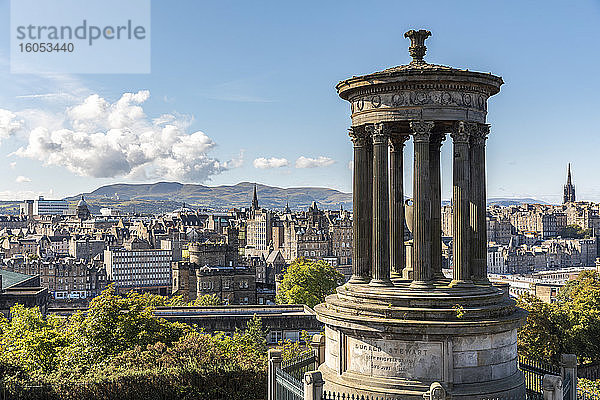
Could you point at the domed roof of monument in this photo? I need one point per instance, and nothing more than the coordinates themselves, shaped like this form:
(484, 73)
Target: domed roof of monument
(81, 202)
(418, 70)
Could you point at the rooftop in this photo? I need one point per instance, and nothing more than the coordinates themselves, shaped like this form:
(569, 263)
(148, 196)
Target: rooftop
(10, 278)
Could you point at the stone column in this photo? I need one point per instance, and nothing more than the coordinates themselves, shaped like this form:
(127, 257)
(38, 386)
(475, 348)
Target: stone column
(435, 145)
(478, 206)
(397, 253)
(381, 210)
(422, 276)
(362, 193)
(313, 385)
(568, 371)
(275, 359)
(460, 205)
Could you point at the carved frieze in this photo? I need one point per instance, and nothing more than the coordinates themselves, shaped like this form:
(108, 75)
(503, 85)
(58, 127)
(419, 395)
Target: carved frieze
(411, 98)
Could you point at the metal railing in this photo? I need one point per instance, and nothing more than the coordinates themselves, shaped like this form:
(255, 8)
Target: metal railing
(589, 371)
(343, 396)
(301, 364)
(287, 379)
(534, 372)
(288, 387)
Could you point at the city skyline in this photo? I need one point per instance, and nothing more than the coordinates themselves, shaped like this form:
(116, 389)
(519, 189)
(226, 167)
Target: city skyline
(279, 122)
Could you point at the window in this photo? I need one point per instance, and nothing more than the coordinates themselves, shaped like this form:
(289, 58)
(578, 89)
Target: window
(275, 336)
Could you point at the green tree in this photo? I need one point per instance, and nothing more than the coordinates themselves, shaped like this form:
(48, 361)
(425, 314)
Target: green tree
(29, 340)
(571, 325)
(115, 323)
(575, 232)
(207, 300)
(579, 300)
(308, 282)
(543, 337)
(118, 349)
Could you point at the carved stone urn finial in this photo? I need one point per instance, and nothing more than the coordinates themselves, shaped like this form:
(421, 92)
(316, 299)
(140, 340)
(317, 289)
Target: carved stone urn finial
(417, 47)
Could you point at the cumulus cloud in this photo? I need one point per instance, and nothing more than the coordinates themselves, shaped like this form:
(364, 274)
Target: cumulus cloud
(266, 163)
(9, 124)
(235, 162)
(305, 162)
(102, 139)
(22, 179)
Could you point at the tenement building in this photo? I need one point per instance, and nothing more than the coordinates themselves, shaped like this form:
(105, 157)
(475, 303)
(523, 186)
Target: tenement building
(409, 334)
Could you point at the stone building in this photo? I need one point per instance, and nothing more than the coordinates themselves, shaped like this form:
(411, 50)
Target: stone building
(231, 284)
(446, 221)
(86, 247)
(495, 260)
(312, 243)
(585, 215)
(340, 232)
(54, 246)
(209, 253)
(499, 229)
(65, 278)
(258, 229)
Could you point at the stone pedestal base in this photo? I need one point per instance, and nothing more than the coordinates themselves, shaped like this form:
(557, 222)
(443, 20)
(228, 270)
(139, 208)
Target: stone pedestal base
(395, 342)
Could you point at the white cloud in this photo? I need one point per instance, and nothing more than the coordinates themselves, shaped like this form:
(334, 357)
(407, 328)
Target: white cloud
(305, 162)
(9, 124)
(235, 162)
(22, 179)
(99, 139)
(266, 163)
(13, 165)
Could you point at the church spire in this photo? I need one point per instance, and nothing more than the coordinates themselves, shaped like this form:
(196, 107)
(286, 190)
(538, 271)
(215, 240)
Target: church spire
(255, 199)
(569, 189)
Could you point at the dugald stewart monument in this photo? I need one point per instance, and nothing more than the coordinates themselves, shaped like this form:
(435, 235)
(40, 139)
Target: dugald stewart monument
(401, 331)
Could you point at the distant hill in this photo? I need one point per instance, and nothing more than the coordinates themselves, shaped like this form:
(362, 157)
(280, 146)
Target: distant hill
(167, 196)
(508, 201)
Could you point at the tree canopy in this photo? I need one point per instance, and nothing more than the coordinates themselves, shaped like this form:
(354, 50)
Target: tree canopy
(570, 325)
(308, 282)
(575, 232)
(118, 349)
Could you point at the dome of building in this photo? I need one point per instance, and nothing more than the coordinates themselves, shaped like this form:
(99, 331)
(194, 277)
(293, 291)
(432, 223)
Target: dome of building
(82, 212)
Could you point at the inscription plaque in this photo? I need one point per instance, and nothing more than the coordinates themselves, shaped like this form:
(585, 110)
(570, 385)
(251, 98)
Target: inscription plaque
(396, 358)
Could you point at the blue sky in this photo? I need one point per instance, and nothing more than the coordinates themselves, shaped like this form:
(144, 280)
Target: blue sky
(257, 79)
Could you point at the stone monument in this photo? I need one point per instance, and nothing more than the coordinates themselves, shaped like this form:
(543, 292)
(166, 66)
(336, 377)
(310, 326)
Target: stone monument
(414, 334)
